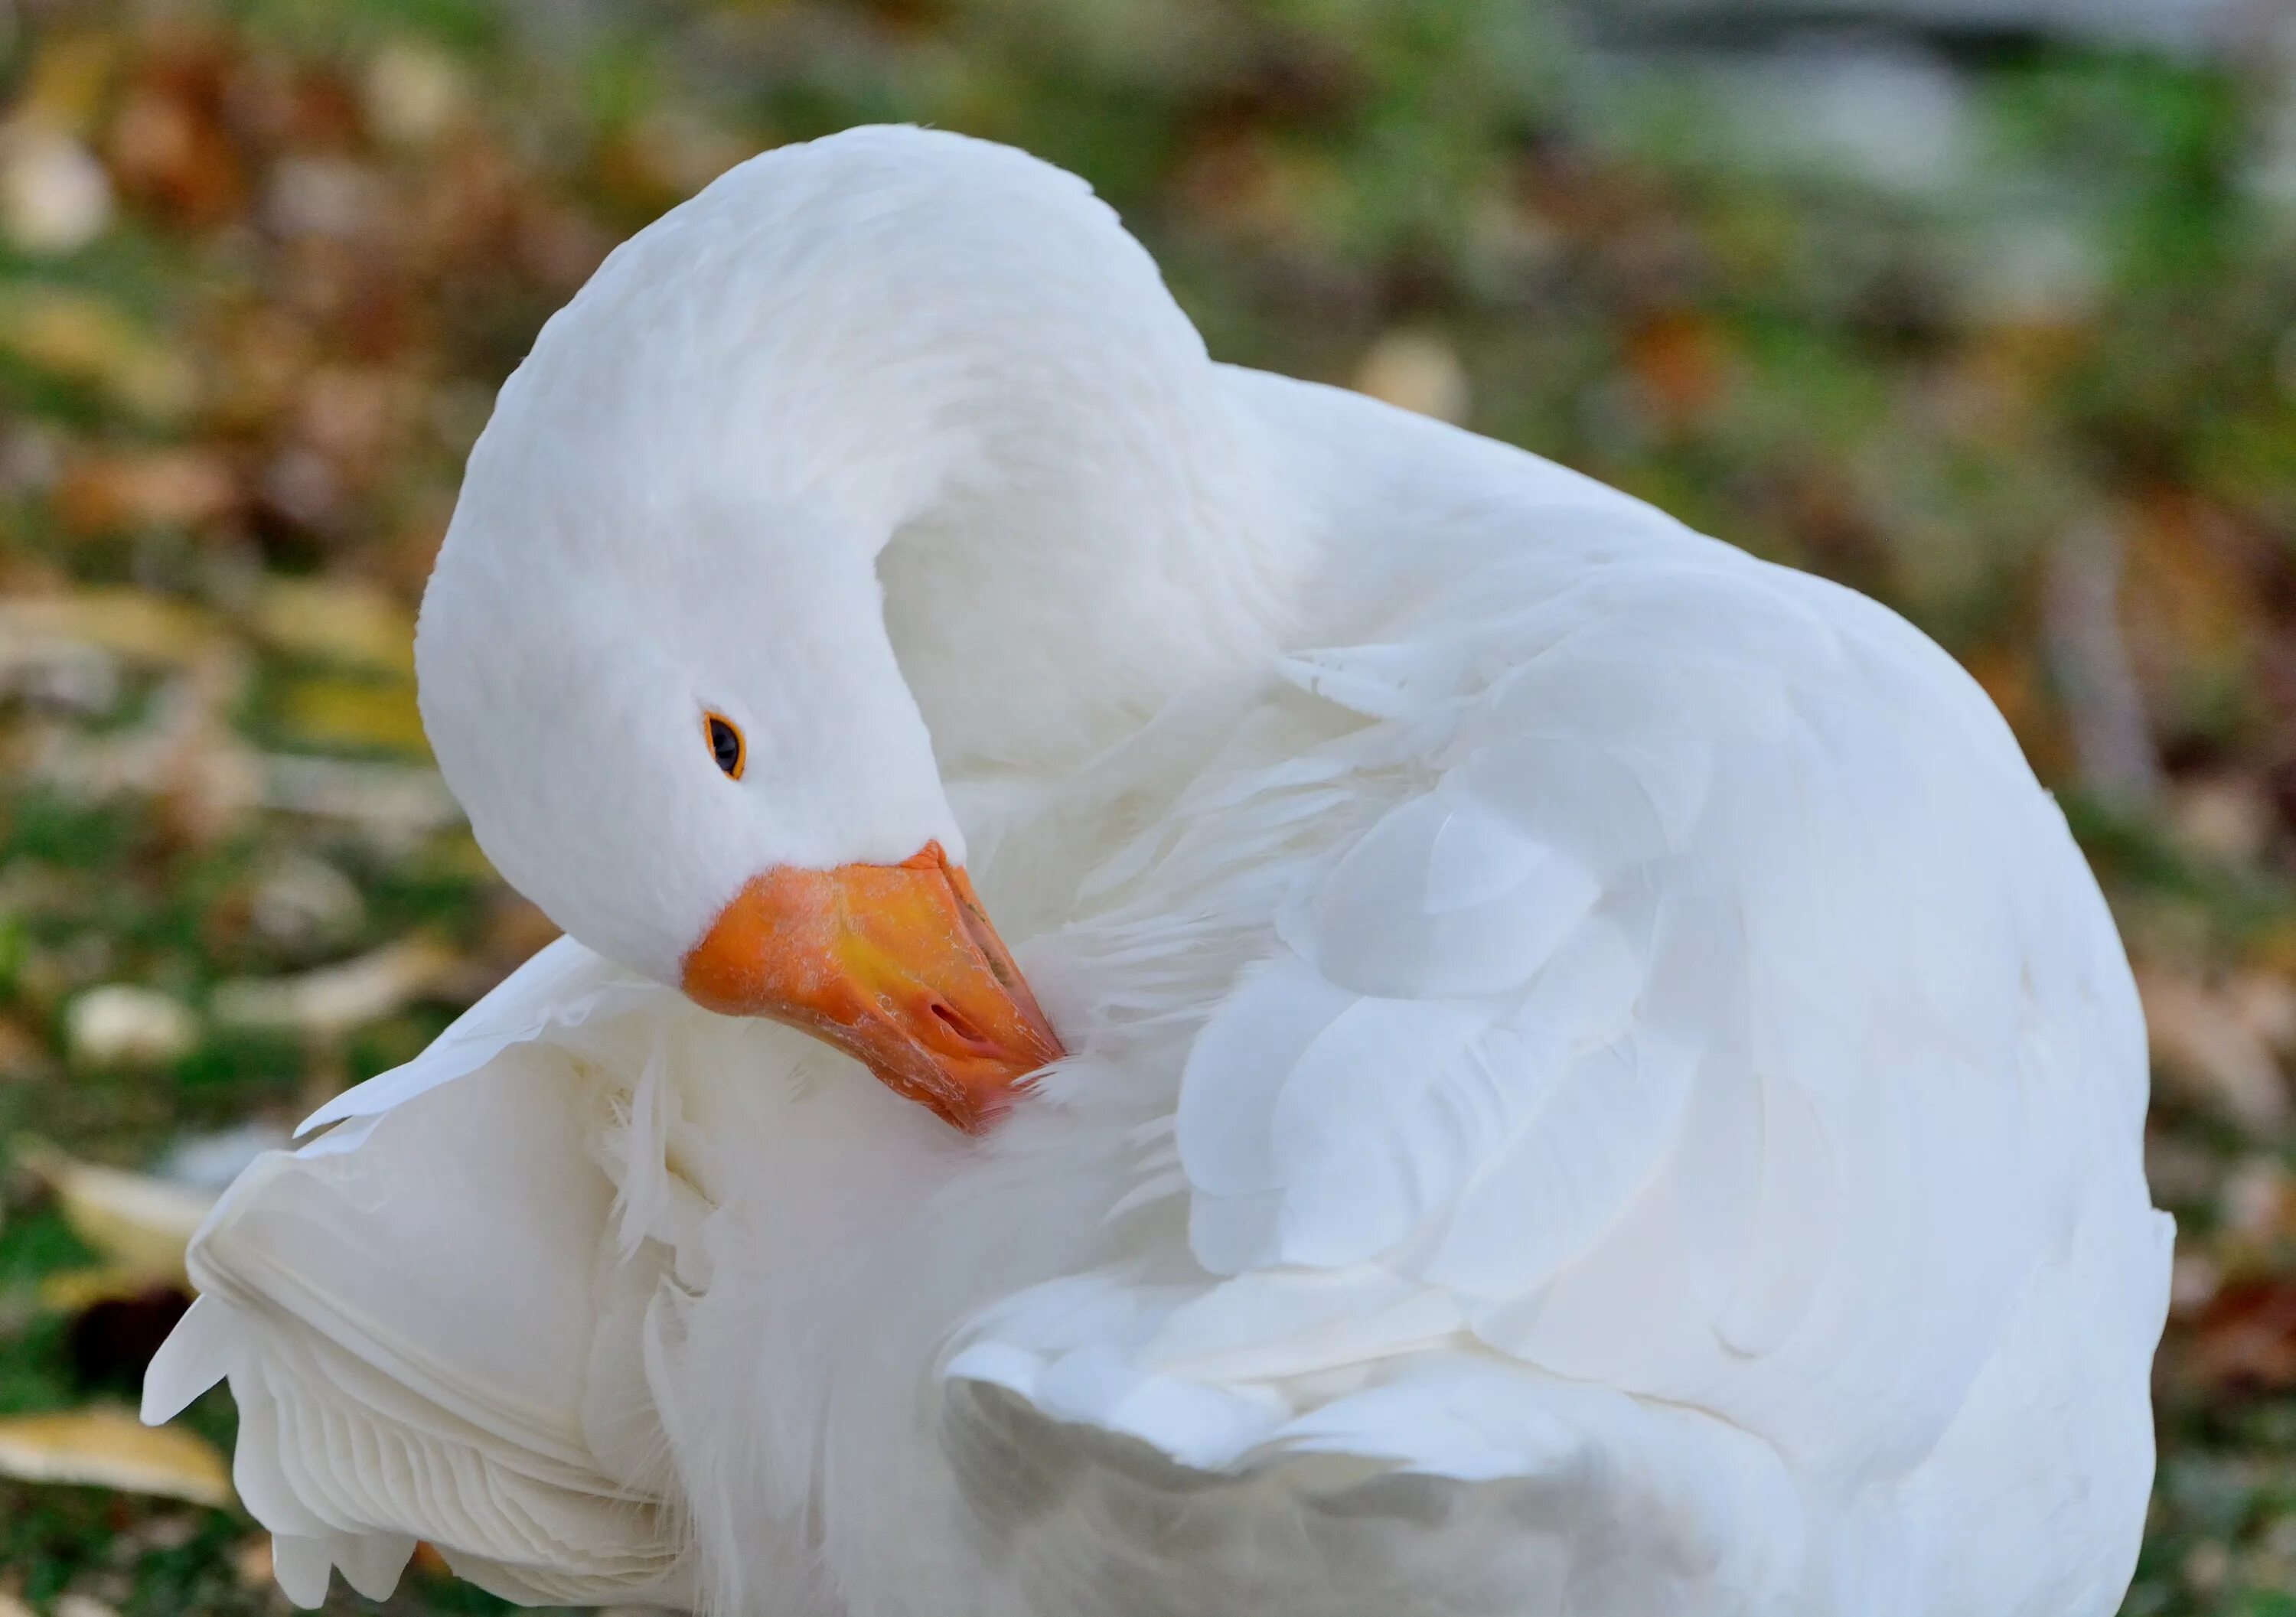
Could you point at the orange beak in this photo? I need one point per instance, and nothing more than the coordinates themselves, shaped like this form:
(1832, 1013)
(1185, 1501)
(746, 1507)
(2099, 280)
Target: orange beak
(896, 965)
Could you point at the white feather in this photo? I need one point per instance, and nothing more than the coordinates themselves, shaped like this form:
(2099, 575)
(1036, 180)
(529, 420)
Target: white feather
(1599, 1085)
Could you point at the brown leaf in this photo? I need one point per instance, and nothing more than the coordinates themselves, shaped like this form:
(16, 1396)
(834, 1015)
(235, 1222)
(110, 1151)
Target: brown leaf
(1679, 359)
(251, 1562)
(168, 146)
(2245, 1338)
(146, 489)
(2205, 1041)
(105, 1447)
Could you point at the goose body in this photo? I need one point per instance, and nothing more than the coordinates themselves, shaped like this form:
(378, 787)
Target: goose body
(1597, 1083)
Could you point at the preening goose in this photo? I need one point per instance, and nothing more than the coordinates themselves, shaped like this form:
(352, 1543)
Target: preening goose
(1586, 1077)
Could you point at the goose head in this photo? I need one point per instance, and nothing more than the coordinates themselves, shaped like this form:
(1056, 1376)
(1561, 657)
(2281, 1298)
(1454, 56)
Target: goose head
(882, 454)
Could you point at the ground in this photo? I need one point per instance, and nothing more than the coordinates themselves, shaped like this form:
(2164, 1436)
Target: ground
(2000, 329)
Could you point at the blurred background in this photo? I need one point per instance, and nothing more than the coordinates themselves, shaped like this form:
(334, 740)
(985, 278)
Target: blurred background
(1986, 306)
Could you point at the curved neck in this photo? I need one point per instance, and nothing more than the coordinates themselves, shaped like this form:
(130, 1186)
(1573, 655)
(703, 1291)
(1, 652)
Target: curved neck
(1097, 557)
(954, 357)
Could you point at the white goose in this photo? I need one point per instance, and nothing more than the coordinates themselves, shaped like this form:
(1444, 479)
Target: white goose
(1595, 1081)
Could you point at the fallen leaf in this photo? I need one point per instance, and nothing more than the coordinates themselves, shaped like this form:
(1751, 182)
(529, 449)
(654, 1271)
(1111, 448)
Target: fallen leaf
(80, 337)
(105, 1447)
(1415, 371)
(120, 1024)
(139, 1224)
(1680, 362)
(145, 488)
(129, 623)
(55, 197)
(2256, 1199)
(350, 623)
(328, 712)
(76, 1291)
(2195, 1279)
(392, 799)
(251, 1562)
(2225, 815)
(65, 84)
(2202, 1041)
(413, 93)
(2245, 1337)
(169, 146)
(337, 998)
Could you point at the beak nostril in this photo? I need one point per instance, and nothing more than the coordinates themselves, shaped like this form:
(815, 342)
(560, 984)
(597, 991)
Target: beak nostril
(946, 1014)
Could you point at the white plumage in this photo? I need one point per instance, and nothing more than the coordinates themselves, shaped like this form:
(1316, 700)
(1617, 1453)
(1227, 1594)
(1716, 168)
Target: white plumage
(1598, 1086)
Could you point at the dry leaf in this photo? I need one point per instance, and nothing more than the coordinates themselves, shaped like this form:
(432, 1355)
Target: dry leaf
(2246, 1337)
(353, 713)
(186, 754)
(64, 84)
(251, 1562)
(145, 488)
(393, 798)
(2224, 817)
(120, 1024)
(104, 1447)
(337, 998)
(127, 623)
(55, 196)
(413, 93)
(2256, 1199)
(81, 338)
(2202, 1040)
(76, 1291)
(1415, 371)
(1681, 362)
(138, 1223)
(2195, 1278)
(340, 622)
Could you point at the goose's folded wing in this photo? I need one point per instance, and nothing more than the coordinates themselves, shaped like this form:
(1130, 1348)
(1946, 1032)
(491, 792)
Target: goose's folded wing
(1717, 1017)
(419, 1331)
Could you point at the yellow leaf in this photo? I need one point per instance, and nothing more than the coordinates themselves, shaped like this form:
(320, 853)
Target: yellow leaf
(65, 87)
(105, 1447)
(76, 1290)
(348, 623)
(129, 623)
(330, 712)
(140, 1225)
(82, 338)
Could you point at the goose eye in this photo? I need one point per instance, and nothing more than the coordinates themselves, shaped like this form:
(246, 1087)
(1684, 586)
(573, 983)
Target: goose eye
(725, 744)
